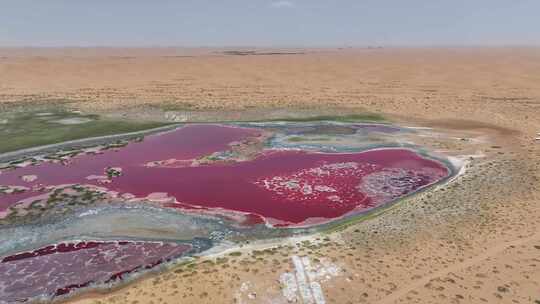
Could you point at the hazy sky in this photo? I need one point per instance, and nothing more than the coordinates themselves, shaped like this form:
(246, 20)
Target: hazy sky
(268, 22)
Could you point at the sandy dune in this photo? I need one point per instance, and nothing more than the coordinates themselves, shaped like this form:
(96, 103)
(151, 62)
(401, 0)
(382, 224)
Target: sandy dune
(473, 240)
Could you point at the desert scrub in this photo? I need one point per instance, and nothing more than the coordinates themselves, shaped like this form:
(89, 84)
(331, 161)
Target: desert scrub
(366, 117)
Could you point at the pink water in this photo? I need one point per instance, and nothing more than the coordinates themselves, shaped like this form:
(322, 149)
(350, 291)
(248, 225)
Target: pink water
(284, 187)
(59, 269)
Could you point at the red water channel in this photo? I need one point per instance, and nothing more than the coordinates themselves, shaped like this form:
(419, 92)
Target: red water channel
(283, 187)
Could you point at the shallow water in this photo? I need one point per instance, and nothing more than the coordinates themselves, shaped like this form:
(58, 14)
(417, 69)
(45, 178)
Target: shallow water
(180, 192)
(56, 269)
(112, 222)
(289, 187)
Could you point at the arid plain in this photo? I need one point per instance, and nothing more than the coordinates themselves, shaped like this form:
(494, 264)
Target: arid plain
(474, 239)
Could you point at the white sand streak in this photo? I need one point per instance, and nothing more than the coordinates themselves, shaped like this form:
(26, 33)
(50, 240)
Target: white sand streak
(305, 281)
(303, 285)
(317, 293)
(290, 288)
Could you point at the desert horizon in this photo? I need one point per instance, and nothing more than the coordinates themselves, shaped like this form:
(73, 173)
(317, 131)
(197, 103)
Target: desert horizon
(305, 152)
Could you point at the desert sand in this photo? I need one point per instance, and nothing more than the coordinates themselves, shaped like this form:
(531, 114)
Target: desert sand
(475, 239)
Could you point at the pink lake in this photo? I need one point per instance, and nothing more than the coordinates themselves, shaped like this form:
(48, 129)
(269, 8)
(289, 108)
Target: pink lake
(283, 187)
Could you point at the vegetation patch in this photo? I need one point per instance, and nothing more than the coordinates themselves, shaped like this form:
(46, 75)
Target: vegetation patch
(174, 106)
(365, 117)
(21, 130)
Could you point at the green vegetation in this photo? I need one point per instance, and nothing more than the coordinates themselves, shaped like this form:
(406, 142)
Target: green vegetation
(21, 130)
(302, 138)
(296, 139)
(58, 202)
(174, 106)
(353, 220)
(373, 117)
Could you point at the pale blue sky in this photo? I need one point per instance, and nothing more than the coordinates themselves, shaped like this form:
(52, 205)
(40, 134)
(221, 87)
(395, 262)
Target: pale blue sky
(269, 23)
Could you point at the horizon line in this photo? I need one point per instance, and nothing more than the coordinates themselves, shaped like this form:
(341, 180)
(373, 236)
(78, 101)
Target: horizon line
(372, 46)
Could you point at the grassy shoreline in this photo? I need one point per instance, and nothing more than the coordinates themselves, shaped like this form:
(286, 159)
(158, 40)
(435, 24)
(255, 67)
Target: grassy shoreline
(24, 130)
